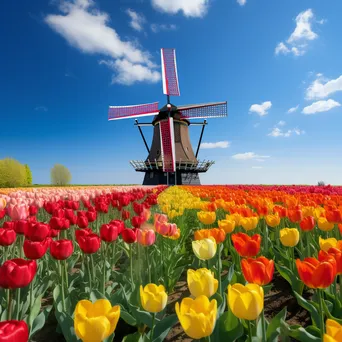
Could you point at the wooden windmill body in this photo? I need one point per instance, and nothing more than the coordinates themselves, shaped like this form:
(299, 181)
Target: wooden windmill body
(171, 158)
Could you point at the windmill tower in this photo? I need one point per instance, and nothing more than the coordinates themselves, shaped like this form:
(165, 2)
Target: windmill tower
(171, 159)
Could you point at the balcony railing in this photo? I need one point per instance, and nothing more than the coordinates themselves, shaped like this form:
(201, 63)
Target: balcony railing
(186, 167)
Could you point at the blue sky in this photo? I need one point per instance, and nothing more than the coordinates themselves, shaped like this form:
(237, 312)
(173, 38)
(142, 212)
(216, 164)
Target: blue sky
(63, 63)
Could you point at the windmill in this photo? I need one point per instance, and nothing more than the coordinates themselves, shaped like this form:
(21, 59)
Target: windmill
(171, 159)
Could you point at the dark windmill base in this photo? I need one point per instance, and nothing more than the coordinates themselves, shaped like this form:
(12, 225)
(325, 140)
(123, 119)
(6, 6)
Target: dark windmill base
(159, 177)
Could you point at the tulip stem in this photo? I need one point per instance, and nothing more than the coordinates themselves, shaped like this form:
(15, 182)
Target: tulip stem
(131, 264)
(104, 270)
(62, 285)
(152, 329)
(31, 297)
(66, 275)
(263, 322)
(320, 299)
(340, 279)
(293, 260)
(9, 304)
(89, 273)
(308, 241)
(113, 253)
(148, 265)
(17, 303)
(250, 334)
(219, 271)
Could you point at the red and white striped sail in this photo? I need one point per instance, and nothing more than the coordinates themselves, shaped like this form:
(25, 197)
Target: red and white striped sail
(128, 112)
(168, 151)
(205, 110)
(169, 72)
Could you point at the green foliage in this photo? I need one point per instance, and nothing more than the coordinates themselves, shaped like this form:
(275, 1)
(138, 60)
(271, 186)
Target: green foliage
(60, 175)
(12, 173)
(28, 175)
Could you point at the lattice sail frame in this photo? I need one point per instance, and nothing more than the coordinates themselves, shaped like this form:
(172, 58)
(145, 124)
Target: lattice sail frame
(167, 144)
(202, 111)
(127, 112)
(169, 72)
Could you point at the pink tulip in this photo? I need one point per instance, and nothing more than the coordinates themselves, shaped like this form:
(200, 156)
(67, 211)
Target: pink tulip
(146, 237)
(18, 212)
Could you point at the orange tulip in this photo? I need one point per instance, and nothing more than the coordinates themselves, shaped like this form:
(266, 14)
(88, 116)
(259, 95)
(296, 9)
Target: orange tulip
(217, 233)
(336, 254)
(282, 212)
(317, 274)
(295, 215)
(245, 245)
(258, 271)
(333, 216)
(307, 224)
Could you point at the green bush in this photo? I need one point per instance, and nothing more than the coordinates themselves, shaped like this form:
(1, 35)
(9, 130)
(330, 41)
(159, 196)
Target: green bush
(12, 173)
(28, 175)
(60, 175)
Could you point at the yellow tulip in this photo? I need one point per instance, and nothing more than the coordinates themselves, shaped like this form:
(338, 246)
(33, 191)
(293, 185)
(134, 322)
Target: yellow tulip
(235, 217)
(289, 237)
(204, 249)
(324, 225)
(197, 316)
(308, 211)
(227, 225)
(333, 331)
(206, 217)
(272, 220)
(249, 223)
(153, 297)
(246, 302)
(94, 322)
(318, 212)
(2, 203)
(326, 244)
(202, 282)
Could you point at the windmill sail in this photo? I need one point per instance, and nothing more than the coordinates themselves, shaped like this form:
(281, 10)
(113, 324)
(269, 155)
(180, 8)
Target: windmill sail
(205, 110)
(128, 112)
(167, 142)
(169, 72)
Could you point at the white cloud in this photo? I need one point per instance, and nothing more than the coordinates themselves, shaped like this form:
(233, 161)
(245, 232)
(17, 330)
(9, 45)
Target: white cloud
(128, 73)
(249, 156)
(277, 132)
(41, 109)
(87, 29)
(281, 123)
(219, 144)
(242, 2)
(297, 43)
(293, 109)
(257, 167)
(321, 88)
(261, 109)
(163, 27)
(320, 106)
(137, 20)
(190, 8)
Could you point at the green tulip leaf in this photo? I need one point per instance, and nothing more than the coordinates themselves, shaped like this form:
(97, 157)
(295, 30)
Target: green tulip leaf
(40, 320)
(34, 310)
(162, 329)
(273, 329)
(309, 307)
(228, 327)
(128, 318)
(66, 324)
(136, 337)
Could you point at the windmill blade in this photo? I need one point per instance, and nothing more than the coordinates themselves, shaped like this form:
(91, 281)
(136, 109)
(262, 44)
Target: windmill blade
(128, 112)
(205, 110)
(169, 72)
(167, 143)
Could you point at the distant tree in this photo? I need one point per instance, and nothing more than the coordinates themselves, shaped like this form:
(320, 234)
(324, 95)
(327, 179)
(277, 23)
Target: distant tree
(28, 175)
(12, 173)
(60, 175)
(321, 183)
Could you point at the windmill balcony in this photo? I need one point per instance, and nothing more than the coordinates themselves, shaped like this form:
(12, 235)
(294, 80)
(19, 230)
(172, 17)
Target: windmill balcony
(199, 166)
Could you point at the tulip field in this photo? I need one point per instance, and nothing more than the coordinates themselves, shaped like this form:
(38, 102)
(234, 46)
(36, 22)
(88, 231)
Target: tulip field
(180, 263)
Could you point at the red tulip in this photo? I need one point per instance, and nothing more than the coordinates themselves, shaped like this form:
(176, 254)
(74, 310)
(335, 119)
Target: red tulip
(258, 271)
(245, 245)
(9, 225)
(125, 215)
(57, 223)
(35, 249)
(54, 233)
(317, 274)
(334, 216)
(91, 216)
(33, 210)
(138, 208)
(7, 237)
(109, 232)
(120, 224)
(136, 221)
(124, 200)
(75, 205)
(295, 215)
(58, 213)
(282, 212)
(82, 221)
(336, 254)
(37, 231)
(14, 331)
(307, 224)
(20, 226)
(101, 207)
(88, 241)
(61, 249)
(17, 273)
(129, 235)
